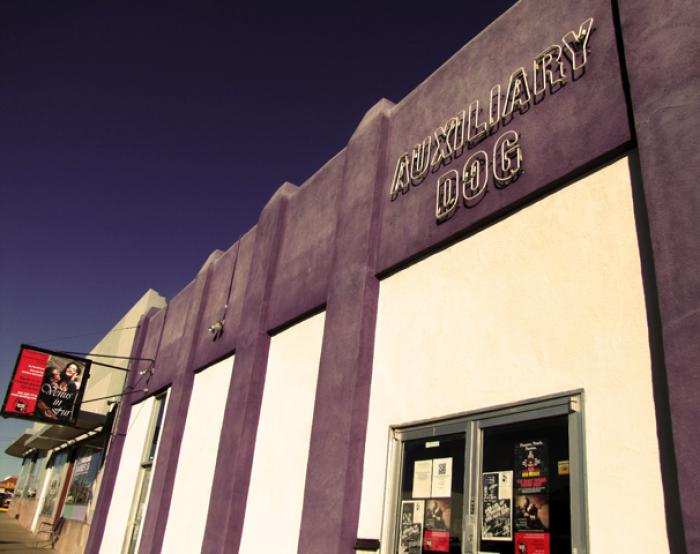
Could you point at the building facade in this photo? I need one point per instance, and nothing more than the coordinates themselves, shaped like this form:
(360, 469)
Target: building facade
(473, 330)
(62, 466)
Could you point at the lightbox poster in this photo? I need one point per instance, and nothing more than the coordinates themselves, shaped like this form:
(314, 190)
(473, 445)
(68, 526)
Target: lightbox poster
(46, 386)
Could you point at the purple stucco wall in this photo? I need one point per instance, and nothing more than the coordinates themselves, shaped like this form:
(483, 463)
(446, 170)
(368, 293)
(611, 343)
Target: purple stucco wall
(577, 125)
(334, 471)
(661, 51)
(323, 244)
(232, 476)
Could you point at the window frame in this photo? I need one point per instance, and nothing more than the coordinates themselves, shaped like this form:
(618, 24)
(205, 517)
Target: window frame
(146, 467)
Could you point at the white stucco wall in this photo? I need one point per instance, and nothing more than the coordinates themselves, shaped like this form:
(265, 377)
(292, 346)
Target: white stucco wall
(278, 479)
(117, 341)
(125, 484)
(548, 300)
(197, 461)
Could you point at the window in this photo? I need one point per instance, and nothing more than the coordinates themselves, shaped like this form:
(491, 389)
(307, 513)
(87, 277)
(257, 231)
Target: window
(32, 476)
(80, 497)
(509, 480)
(52, 497)
(143, 482)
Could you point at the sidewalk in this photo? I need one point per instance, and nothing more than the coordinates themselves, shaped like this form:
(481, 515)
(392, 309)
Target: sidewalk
(16, 539)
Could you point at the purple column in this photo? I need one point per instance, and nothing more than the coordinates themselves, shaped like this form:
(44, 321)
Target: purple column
(237, 442)
(661, 51)
(334, 471)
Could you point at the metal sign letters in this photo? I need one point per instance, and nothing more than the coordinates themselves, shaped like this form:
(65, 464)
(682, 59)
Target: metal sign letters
(468, 128)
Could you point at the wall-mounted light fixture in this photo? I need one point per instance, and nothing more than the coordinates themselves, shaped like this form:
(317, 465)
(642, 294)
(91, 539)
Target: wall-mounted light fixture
(216, 329)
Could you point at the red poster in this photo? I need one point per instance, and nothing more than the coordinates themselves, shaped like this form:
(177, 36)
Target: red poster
(46, 386)
(436, 541)
(532, 543)
(26, 384)
(436, 533)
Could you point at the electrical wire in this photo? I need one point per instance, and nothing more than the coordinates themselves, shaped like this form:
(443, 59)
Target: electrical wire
(85, 335)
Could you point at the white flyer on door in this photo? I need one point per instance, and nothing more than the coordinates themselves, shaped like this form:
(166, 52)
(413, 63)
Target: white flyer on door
(442, 478)
(422, 473)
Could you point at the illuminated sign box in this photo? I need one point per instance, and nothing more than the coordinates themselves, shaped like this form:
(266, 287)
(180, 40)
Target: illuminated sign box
(46, 386)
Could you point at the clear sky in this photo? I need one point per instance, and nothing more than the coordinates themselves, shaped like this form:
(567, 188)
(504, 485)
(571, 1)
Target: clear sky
(137, 137)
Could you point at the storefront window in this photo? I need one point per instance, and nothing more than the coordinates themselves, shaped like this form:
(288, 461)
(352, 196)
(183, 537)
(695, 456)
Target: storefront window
(80, 494)
(505, 481)
(31, 483)
(53, 492)
(27, 466)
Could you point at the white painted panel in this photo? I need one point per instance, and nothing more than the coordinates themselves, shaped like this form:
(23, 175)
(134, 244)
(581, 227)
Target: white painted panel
(123, 495)
(197, 461)
(278, 479)
(547, 300)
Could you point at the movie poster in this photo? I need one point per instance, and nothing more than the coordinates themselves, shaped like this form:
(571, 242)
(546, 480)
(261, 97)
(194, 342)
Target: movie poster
(532, 543)
(532, 512)
(436, 536)
(412, 515)
(497, 514)
(531, 462)
(531, 498)
(46, 386)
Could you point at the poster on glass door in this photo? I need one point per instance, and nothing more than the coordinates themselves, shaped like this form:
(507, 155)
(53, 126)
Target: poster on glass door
(441, 486)
(432, 478)
(532, 543)
(531, 495)
(531, 512)
(436, 534)
(422, 478)
(412, 516)
(497, 509)
(531, 460)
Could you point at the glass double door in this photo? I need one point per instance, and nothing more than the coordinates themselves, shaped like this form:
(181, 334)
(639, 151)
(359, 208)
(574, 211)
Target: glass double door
(492, 483)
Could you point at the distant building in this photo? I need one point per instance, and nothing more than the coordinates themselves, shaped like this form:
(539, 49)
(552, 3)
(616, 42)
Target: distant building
(8, 483)
(475, 329)
(7, 488)
(62, 466)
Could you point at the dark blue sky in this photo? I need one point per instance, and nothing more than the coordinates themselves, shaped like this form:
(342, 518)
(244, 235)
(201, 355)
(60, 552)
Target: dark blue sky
(137, 137)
